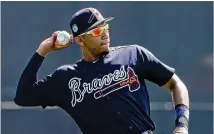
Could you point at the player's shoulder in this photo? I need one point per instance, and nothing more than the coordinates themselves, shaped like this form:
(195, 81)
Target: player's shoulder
(67, 68)
(122, 47)
(125, 48)
(132, 50)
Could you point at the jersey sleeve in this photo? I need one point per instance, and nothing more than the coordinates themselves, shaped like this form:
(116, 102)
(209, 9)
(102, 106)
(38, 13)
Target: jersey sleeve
(49, 89)
(152, 68)
(33, 92)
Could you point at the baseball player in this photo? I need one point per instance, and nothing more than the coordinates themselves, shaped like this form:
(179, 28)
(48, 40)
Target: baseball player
(105, 91)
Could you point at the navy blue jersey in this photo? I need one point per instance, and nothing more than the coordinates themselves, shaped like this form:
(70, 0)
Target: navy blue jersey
(107, 96)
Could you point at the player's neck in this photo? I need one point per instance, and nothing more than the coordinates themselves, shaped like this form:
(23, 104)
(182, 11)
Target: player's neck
(89, 57)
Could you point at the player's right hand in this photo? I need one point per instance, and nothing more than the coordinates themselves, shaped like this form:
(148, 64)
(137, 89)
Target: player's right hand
(48, 45)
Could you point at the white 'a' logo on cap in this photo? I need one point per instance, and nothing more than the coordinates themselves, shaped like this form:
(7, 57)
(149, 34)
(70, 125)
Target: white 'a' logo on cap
(75, 28)
(91, 18)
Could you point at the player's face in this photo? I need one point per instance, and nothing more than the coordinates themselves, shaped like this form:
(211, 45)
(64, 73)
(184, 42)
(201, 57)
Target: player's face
(97, 40)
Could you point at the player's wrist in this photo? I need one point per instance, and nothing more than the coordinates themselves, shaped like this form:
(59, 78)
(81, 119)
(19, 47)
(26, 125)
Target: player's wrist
(182, 116)
(41, 52)
(180, 130)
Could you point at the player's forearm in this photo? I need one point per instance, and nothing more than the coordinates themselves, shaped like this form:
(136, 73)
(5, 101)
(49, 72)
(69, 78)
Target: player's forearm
(27, 79)
(180, 99)
(178, 90)
(179, 94)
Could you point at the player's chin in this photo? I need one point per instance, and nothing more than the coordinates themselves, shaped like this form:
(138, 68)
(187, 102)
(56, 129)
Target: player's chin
(105, 47)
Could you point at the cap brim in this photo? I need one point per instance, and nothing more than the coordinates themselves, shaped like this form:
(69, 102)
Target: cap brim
(101, 21)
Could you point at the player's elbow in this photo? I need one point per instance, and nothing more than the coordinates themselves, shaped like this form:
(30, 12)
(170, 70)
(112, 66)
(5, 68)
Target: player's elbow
(19, 102)
(19, 98)
(23, 97)
(22, 101)
(26, 100)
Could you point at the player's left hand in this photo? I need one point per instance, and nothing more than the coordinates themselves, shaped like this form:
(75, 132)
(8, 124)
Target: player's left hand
(180, 130)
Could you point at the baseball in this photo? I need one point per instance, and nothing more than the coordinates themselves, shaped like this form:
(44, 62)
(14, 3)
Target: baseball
(63, 38)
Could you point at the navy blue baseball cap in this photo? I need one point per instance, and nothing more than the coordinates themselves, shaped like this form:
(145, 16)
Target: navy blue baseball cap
(86, 19)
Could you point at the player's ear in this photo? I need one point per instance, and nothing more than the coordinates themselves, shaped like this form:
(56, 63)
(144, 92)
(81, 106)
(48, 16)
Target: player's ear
(79, 40)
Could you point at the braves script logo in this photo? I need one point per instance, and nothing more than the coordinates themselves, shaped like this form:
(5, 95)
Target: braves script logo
(121, 77)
